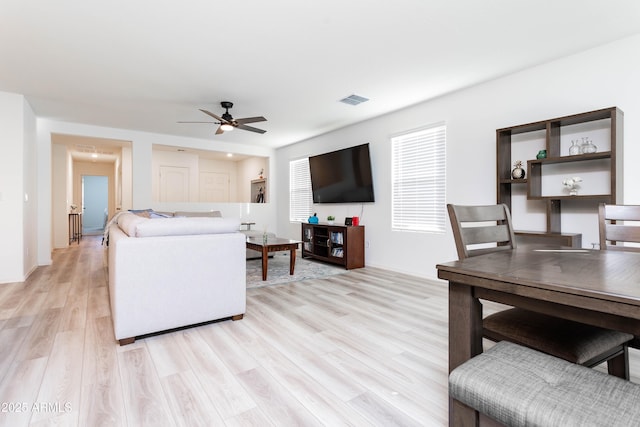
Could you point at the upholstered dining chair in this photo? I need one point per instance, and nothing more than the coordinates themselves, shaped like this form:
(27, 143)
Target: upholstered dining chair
(620, 231)
(479, 230)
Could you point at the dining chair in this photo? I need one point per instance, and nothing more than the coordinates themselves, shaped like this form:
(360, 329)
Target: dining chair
(620, 230)
(616, 235)
(479, 230)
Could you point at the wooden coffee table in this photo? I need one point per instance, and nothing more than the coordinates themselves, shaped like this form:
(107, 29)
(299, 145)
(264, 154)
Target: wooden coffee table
(274, 244)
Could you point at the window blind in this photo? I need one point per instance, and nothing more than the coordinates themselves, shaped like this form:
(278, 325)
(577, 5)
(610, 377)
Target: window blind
(418, 180)
(300, 196)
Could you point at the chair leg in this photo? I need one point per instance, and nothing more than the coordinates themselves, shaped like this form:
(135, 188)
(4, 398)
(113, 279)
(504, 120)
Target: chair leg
(619, 366)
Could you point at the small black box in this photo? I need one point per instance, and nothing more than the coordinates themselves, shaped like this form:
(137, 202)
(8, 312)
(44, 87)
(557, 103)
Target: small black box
(348, 220)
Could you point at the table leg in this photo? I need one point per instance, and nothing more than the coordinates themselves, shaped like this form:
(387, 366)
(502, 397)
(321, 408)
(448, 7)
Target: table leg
(292, 260)
(265, 259)
(465, 341)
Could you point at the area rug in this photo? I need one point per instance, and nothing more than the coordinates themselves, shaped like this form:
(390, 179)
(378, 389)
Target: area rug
(278, 270)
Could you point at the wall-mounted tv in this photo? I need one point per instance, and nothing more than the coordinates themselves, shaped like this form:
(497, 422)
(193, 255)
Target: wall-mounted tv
(342, 176)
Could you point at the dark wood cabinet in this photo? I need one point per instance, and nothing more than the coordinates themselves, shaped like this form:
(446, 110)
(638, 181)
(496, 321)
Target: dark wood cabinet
(541, 188)
(337, 244)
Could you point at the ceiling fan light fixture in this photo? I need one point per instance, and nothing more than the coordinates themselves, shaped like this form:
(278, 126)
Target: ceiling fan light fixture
(226, 127)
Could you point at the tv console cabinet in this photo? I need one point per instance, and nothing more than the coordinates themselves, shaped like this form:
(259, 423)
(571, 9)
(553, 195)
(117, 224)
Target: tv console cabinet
(336, 244)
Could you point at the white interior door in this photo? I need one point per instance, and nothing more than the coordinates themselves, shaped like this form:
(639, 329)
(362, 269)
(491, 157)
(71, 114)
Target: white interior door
(174, 184)
(214, 187)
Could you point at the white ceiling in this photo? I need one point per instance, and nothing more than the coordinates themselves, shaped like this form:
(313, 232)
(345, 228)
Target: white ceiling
(147, 64)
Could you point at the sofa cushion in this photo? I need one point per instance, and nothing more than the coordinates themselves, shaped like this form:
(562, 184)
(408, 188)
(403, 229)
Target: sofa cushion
(215, 214)
(137, 226)
(186, 226)
(128, 222)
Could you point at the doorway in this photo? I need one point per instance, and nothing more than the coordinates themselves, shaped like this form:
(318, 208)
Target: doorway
(95, 202)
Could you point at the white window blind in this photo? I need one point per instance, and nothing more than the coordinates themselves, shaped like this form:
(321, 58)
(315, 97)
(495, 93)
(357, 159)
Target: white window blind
(418, 180)
(300, 197)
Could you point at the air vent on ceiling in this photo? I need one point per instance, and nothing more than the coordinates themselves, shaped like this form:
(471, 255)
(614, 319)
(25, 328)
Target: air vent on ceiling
(354, 100)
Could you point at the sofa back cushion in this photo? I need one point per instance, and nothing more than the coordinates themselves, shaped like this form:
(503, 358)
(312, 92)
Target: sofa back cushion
(214, 214)
(136, 226)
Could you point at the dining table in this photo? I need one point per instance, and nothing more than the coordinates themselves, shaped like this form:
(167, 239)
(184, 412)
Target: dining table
(595, 287)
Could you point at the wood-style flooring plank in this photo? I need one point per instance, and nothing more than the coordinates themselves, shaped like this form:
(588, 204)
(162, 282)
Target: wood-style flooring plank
(217, 380)
(19, 391)
(145, 402)
(59, 392)
(102, 401)
(188, 402)
(275, 401)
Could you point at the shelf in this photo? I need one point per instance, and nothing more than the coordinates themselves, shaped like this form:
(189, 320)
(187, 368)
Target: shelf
(573, 240)
(572, 159)
(544, 196)
(513, 181)
(604, 198)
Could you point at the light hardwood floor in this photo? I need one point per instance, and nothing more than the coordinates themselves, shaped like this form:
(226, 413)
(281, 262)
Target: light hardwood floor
(365, 348)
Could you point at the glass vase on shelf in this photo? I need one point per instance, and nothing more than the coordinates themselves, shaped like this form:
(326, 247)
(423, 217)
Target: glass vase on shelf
(588, 147)
(575, 148)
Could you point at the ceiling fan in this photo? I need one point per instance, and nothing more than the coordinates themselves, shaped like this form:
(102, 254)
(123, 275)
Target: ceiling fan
(228, 123)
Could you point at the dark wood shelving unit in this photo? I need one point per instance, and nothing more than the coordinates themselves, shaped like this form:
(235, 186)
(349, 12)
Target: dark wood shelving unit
(608, 160)
(336, 244)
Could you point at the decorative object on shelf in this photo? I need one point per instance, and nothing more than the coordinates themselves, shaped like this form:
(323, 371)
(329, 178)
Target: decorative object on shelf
(260, 196)
(330, 219)
(261, 172)
(572, 185)
(588, 147)
(73, 207)
(542, 154)
(355, 221)
(313, 219)
(518, 172)
(575, 148)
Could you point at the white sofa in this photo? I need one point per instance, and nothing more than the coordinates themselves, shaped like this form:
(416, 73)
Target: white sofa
(168, 273)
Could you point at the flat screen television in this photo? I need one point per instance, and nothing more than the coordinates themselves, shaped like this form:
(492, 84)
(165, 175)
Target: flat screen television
(342, 176)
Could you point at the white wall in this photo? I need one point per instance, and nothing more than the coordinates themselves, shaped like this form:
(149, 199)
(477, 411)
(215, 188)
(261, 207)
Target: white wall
(30, 188)
(599, 78)
(18, 190)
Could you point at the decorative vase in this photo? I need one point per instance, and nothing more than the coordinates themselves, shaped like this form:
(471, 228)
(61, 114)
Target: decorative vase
(542, 154)
(572, 184)
(518, 172)
(587, 147)
(575, 148)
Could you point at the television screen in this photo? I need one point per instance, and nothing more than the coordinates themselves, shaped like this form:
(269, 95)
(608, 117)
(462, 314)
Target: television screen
(342, 176)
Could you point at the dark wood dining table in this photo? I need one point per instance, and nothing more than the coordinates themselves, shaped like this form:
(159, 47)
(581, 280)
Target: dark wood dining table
(600, 288)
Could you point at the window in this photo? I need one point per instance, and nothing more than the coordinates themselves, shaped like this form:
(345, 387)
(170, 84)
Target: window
(418, 161)
(300, 197)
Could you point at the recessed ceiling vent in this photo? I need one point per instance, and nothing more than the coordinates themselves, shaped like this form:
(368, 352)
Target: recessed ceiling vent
(354, 100)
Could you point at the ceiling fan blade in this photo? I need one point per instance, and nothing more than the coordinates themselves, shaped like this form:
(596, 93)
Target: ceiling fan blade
(195, 122)
(219, 131)
(209, 113)
(250, 120)
(250, 128)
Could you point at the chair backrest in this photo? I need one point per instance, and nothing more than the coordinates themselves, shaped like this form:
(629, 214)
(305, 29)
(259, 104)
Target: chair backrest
(614, 234)
(481, 229)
